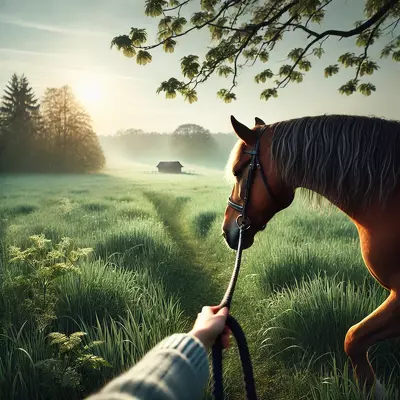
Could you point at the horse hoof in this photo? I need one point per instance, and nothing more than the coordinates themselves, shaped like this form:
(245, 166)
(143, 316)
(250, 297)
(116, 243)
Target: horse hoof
(379, 392)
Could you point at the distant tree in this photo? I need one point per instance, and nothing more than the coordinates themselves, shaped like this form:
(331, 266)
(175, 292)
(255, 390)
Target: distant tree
(18, 101)
(72, 142)
(192, 141)
(19, 119)
(245, 32)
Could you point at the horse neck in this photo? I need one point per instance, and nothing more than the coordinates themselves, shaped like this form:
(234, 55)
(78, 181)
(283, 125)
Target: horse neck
(351, 211)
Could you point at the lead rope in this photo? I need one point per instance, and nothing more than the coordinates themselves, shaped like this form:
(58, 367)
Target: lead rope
(237, 333)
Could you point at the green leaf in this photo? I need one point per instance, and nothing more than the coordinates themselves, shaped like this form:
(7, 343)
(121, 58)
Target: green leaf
(263, 76)
(304, 65)
(165, 23)
(264, 56)
(226, 95)
(331, 70)
(190, 66)
(121, 42)
(268, 93)
(199, 18)
(385, 53)
(318, 16)
(225, 71)
(366, 89)
(396, 55)
(190, 96)
(348, 59)
(169, 45)
(349, 88)
(208, 5)
(296, 76)
(154, 8)
(284, 70)
(129, 52)
(143, 57)
(170, 87)
(57, 338)
(78, 335)
(178, 24)
(318, 52)
(295, 54)
(250, 54)
(138, 36)
(368, 67)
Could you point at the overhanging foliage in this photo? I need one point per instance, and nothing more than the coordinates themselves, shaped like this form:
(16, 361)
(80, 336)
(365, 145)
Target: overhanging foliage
(244, 32)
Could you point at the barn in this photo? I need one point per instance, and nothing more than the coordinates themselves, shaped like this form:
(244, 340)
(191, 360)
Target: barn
(170, 167)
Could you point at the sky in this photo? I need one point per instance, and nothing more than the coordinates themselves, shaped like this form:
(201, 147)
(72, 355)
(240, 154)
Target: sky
(58, 42)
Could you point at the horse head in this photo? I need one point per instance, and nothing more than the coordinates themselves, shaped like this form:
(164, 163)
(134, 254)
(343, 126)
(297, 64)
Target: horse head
(258, 189)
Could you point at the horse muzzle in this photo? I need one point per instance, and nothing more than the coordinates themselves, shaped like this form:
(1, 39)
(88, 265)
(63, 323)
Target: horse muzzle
(232, 238)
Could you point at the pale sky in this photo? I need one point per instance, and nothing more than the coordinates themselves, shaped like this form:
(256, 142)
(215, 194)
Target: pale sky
(58, 42)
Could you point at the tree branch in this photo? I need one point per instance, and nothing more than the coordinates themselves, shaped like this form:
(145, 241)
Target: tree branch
(178, 6)
(365, 55)
(356, 31)
(376, 17)
(228, 4)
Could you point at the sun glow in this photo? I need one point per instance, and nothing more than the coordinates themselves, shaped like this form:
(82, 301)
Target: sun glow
(89, 92)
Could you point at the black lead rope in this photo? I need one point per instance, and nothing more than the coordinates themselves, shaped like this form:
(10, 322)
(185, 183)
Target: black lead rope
(243, 222)
(239, 336)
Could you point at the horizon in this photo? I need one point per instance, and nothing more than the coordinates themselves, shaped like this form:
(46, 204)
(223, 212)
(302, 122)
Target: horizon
(56, 44)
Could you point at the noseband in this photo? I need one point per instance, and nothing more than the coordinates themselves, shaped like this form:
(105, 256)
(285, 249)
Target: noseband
(243, 221)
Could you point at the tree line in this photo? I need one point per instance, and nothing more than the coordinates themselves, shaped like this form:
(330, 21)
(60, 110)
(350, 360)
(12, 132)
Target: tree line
(54, 135)
(189, 143)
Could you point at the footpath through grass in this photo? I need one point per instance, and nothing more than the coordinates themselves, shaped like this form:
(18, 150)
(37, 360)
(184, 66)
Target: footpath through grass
(199, 276)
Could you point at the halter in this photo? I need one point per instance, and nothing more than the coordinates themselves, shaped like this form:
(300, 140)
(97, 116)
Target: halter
(243, 221)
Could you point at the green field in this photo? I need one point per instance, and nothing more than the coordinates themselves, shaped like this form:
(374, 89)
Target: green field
(158, 257)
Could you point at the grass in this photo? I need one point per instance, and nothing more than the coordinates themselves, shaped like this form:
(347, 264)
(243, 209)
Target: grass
(159, 257)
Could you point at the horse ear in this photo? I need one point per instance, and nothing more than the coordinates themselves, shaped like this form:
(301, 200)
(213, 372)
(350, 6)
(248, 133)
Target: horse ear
(247, 135)
(259, 121)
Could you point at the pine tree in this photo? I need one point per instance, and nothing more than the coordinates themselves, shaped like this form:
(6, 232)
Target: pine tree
(18, 125)
(19, 101)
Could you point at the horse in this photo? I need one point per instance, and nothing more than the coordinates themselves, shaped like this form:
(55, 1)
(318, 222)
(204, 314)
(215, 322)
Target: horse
(352, 161)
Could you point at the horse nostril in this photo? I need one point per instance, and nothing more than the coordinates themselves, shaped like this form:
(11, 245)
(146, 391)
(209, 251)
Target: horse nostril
(263, 227)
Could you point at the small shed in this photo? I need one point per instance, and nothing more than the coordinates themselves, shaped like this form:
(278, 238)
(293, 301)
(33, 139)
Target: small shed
(170, 167)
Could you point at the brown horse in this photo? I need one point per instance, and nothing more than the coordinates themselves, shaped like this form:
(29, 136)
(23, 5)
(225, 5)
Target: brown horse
(352, 161)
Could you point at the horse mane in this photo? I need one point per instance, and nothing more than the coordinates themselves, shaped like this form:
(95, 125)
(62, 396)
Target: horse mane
(234, 158)
(352, 160)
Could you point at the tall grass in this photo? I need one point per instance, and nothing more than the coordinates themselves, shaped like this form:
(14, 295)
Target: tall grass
(303, 283)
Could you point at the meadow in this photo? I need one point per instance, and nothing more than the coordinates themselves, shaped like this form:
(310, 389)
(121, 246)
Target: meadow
(158, 256)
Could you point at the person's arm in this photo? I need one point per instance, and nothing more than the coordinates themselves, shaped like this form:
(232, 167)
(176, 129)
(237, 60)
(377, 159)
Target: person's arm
(176, 369)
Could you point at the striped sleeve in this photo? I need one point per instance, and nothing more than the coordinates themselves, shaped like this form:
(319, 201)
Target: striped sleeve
(176, 369)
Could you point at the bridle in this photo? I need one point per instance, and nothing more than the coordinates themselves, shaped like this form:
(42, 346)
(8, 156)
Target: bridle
(243, 220)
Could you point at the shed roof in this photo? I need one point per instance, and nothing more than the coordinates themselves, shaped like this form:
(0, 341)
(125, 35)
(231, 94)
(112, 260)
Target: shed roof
(169, 164)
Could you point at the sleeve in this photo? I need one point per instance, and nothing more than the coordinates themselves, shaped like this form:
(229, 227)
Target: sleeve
(176, 369)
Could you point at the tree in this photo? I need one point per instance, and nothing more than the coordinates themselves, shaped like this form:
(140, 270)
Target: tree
(19, 101)
(18, 123)
(245, 32)
(72, 142)
(193, 142)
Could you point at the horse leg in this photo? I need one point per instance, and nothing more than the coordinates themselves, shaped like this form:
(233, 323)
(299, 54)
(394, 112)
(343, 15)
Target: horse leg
(381, 324)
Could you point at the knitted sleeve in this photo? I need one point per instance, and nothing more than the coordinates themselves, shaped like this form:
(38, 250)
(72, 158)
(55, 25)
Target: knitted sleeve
(176, 369)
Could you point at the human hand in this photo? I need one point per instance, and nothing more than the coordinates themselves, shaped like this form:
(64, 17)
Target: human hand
(210, 323)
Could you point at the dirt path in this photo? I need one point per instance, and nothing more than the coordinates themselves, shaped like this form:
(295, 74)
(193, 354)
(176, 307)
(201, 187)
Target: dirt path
(191, 276)
(199, 277)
